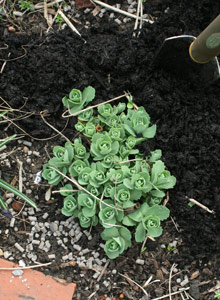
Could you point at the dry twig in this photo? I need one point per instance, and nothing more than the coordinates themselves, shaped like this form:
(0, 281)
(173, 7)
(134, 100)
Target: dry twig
(201, 205)
(130, 280)
(170, 277)
(28, 267)
(64, 115)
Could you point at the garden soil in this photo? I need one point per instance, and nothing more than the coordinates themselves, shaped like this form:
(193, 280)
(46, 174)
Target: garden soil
(41, 68)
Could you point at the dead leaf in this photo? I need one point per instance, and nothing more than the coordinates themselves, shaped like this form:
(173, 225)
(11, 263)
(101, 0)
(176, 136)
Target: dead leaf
(165, 271)
(17, 206)
(215, 287)
(159, 274)
(194, 275)
(48, 194)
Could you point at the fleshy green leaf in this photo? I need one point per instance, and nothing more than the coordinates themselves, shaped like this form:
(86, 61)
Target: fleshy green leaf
(159, 210)
(109, 233)
(128, 222)
(140, 233)
(88, 94)
(150, 132)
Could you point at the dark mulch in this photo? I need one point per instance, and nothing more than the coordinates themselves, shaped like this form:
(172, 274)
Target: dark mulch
(187, 117)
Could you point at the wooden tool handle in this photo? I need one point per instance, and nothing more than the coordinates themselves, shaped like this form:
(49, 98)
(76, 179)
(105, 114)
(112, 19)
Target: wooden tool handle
(207, 44)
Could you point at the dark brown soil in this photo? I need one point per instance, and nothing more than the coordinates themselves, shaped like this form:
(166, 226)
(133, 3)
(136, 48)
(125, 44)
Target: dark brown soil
(41, 70)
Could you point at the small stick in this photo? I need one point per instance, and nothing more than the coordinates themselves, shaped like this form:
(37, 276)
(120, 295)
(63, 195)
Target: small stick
(183, 298)
(42, 113)
(144, 242)
(170, 277)
(174, 224)
(201, 205)
(129, 279)
(89, 107)
(91, 295)
(38, 6)
(60, 191)
(126, 161)
(68, 22)
(82, 188)
(28, 267)
(147, 282)
(103, 270)
(121, 11)
(188, 296)
(174, 293)
(20, 180)
(4, 64)
(139, 14)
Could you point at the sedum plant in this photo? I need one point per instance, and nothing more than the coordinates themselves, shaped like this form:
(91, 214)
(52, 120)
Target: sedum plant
(118, 186)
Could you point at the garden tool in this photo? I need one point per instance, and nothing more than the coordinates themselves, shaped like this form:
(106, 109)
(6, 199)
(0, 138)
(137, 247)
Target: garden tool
(193, 58)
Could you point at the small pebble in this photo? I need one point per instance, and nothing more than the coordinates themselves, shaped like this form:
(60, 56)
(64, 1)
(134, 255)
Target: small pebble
(22, 263)
(34, 258)
(10, 195)
(25, 149)
(131, 10)
(78, 236)
(17, 272)
(106, 283)
(112, 15)
(31, 212)
(87, 10)
(53, 227)
(30, 247)
(19, 247)
(12, 222)
(36, 153)
(96, 275)
(7, 254)
(184, 282)
(140, 261)
(32, 218)
(9, 200)
(11, 258)
(26, 143)
(71, 232)
(96, 255)
(118, 21)
(36, 242)
(77, 247)
(85, 251)
(41, 246)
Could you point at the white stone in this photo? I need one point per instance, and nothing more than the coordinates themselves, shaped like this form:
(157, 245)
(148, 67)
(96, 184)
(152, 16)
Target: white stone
(184, 282)
(17, 272)
(77, 247)
(140, 261)
(26, 143)
(18, 246)
(7, 254)
(12, 222)
(118, 21)
(22, 263)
